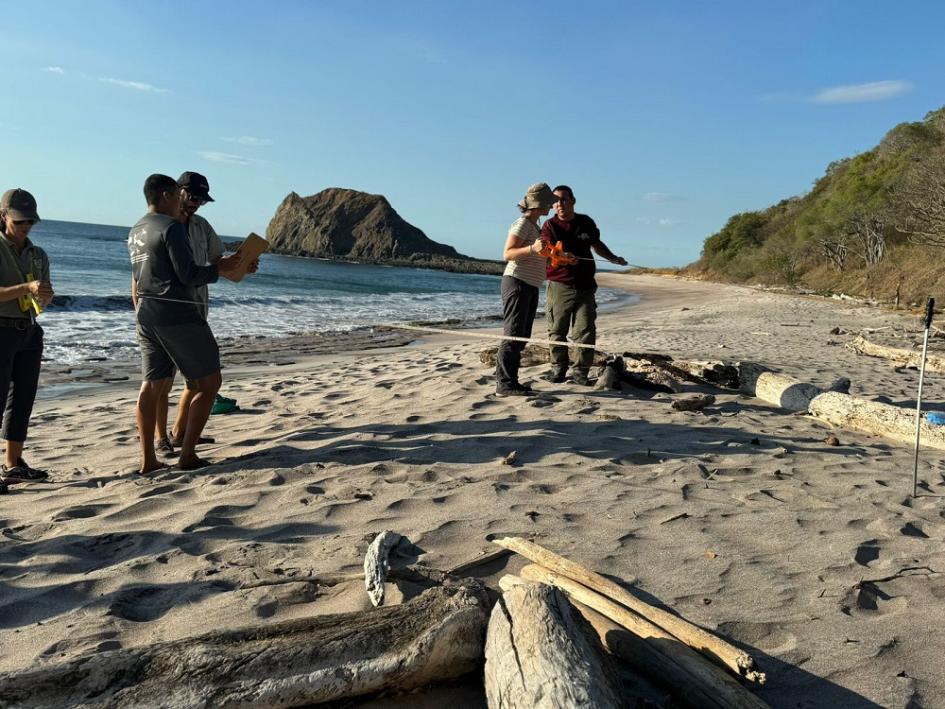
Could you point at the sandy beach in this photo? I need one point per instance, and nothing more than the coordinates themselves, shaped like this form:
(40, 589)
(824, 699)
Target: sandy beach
(329, 447)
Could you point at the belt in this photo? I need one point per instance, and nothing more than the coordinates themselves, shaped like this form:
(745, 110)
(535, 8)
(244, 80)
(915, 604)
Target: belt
(16, 323)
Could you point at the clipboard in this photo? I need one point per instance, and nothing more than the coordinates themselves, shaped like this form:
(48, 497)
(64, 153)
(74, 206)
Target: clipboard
(251, 249)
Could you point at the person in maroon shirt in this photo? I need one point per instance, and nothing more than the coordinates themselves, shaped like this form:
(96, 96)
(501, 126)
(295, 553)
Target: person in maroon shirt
(570, 304)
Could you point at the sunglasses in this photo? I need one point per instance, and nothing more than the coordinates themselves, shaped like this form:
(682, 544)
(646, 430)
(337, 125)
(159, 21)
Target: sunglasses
(24, 222)
(193, 198)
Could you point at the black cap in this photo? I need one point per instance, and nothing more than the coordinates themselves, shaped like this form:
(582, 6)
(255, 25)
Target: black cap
(19, 204)
(196, 184)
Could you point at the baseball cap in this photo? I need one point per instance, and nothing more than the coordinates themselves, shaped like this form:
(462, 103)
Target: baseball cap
(196, 184)
(19, 204)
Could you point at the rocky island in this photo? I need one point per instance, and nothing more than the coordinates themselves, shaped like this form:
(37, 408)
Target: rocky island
(348, 225)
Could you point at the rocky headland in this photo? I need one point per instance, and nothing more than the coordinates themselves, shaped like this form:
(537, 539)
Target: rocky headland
(348, 225)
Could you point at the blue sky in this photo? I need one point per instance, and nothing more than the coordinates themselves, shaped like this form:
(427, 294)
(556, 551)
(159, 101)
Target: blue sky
(665, 117)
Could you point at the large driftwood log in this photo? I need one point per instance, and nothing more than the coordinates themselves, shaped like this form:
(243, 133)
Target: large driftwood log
(873, 417)
(537, 655)
(376, 565)
(436, 636)
(713, 679)
(840, 409)
(777, 389)
(712, 646)
(902, 357)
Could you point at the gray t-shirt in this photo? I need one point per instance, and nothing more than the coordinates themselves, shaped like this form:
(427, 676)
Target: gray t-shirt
(163, 265)
(17, 268)
(207, 249)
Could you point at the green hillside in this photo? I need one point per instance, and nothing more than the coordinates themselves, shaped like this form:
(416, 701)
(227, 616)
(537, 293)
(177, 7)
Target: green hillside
(874, 223)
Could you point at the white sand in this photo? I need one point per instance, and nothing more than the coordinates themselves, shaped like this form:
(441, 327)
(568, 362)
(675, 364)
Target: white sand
(332, 448)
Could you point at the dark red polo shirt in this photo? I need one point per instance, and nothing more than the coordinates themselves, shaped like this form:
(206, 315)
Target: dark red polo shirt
(577, 235)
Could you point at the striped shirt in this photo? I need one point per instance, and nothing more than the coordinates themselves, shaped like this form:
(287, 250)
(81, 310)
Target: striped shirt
(529, 268)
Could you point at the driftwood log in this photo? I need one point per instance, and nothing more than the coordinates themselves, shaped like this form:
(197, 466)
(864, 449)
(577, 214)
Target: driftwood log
(783, 392)
(901, 357)
(884, 420)
(377, 565)
(715, 681)
(840, 409)
(647, 660)
(539, 655)
(712, 646)
(436, 636)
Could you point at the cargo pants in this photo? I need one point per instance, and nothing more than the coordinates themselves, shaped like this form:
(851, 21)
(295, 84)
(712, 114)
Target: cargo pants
(571, 310)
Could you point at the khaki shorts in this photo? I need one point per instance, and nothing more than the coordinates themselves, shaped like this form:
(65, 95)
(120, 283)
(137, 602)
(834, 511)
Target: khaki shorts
(191, 348)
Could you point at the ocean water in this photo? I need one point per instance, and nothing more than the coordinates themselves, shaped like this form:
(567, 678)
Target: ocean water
(92, 314)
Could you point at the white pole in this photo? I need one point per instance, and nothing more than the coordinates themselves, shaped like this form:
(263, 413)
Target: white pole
(929, 308)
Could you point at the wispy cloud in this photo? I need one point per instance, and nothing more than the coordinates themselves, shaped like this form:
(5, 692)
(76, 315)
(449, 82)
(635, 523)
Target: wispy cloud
(861, 93)
(135, 85)
(661, 197)
(227, 158)
(55, 70)
(657, 221)
(249, 141)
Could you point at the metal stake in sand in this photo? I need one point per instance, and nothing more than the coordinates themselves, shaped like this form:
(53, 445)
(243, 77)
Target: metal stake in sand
(929, 307)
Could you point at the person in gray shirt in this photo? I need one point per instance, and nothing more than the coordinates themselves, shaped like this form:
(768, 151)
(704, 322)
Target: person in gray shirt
(172, 330)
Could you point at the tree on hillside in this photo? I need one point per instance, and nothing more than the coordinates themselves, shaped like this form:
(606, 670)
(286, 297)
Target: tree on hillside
(866, 233)
(922, 195)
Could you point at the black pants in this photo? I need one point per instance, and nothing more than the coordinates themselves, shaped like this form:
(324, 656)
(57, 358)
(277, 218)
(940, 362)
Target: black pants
(519, 304)
(21, 352)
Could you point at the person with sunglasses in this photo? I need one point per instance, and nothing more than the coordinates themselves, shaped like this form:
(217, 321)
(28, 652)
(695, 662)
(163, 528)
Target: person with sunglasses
(24, 290)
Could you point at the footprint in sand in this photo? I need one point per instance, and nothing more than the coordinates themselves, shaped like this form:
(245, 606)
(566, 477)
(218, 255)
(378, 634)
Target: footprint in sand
(913, 530)
(143, 604)
(80, 512)
(867, 552)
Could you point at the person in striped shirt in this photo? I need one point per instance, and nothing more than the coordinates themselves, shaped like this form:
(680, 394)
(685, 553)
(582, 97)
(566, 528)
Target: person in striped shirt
(524, 274)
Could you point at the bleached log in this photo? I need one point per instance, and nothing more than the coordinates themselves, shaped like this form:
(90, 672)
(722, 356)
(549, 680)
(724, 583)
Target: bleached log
(436, 636)
(902, 357)
(643, 656)
(376, 565)
(712, 646)
(537, 655)
(715, 681)
(873, 417)
(777, 389)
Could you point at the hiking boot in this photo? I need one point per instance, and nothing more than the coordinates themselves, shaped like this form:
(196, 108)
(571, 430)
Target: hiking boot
(555, 376)
(515, 390)
(579, 377)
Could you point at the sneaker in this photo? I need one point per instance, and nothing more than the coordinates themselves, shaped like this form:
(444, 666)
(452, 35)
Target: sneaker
(580, 378)
(21, 471)
(555, 376)
(164, 445)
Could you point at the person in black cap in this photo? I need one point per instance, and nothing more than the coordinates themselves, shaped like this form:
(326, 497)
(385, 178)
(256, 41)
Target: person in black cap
(24, 290)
